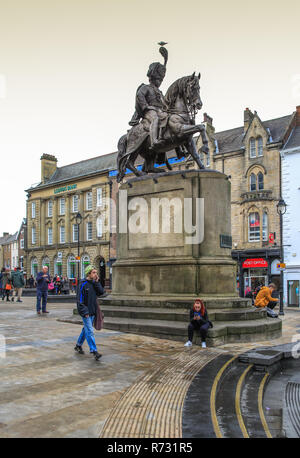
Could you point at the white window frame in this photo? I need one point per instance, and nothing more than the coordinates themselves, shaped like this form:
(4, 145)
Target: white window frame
(265, 226)
(89, 200)
(33, 210)
(74, 232)
(50, 208)
(62, 234)
(62, 206)
(22, 244)
(99, 225)
(75, 203)
(89, 231)
(99, 197)
(33, 235)
(252, 145)
(254, 235)
(260, 146)
(50, 236)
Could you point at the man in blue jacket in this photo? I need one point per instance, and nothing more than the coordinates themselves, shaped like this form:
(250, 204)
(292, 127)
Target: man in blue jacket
(42, 282)
(88, 291)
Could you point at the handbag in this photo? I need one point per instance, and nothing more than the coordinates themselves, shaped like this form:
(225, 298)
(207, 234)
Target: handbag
(99, 318)
(51, 286)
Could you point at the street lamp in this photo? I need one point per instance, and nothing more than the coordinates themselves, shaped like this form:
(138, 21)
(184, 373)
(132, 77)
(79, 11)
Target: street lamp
(78, 219)
(281, 209)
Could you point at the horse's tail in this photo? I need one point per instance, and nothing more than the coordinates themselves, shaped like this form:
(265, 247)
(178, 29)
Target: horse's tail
(122, 146)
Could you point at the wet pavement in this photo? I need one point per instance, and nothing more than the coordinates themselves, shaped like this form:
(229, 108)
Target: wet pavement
(139, 387)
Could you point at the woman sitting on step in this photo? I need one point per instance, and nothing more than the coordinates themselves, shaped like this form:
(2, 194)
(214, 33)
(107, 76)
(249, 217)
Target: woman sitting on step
(199, 321)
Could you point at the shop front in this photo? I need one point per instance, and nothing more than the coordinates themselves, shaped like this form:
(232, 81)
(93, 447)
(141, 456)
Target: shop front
(255, 269)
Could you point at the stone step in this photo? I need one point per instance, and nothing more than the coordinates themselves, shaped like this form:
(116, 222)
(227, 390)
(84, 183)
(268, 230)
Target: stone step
(222, 332)
(171, 303)
(181, 314)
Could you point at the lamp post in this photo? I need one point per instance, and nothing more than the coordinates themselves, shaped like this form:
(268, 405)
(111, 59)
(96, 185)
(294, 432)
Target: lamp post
(281, 209)
(78, 219)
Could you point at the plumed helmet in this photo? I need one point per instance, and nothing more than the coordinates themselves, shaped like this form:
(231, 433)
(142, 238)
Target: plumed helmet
(156, 69)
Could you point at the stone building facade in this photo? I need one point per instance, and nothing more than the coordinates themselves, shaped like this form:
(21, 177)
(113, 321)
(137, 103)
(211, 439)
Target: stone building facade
(52, 206)
(250, 156)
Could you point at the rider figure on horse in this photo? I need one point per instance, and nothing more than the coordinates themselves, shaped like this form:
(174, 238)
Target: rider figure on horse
(149, 103)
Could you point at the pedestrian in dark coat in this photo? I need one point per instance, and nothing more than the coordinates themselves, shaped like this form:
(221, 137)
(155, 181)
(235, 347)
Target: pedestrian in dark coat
(42, 281)
(89, 289)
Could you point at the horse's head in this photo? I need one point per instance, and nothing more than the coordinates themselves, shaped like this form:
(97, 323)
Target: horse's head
(193, 92)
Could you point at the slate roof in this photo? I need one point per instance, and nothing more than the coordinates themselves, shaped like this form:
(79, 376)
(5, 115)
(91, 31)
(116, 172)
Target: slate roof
(9, 239)
(232, 139)
(293, 140)
(81, 169)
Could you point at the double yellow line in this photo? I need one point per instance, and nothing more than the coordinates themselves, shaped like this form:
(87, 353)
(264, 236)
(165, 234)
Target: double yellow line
(213, 393)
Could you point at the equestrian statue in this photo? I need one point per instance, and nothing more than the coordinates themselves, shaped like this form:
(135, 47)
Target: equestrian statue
(162, 123)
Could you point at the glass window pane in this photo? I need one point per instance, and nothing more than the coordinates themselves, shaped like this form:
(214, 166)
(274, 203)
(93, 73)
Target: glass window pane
(260, 146)
(260, 178)
(265, 227)
(254, 227)
(253, 182)
(99, 197)
(252, 148)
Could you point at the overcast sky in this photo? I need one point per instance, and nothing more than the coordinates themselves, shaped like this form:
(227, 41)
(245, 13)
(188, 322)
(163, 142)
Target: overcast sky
(69, 70)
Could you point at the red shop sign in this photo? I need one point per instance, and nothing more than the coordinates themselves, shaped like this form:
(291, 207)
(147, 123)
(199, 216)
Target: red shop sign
(255, 262)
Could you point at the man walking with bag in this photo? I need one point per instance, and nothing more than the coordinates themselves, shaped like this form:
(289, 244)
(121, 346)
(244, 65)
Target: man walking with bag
(88, 291)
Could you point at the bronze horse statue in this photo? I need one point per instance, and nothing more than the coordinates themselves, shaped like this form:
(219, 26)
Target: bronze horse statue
(182, 101)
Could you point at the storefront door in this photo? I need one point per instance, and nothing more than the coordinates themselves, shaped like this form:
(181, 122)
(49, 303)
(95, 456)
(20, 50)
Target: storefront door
(293, 293)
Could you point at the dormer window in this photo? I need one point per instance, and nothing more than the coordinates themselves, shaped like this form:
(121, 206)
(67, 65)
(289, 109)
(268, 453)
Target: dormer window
(259, 146)
(252, 147)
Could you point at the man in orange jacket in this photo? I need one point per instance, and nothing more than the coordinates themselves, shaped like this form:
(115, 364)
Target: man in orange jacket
(264, 299)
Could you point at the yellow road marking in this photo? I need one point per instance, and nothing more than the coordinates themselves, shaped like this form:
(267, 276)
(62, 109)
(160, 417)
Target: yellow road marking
(260, 406)
(213, 398)
(238, 399)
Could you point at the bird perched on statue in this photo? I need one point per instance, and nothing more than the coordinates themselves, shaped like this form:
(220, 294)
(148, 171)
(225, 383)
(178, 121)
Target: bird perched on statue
(163, 51)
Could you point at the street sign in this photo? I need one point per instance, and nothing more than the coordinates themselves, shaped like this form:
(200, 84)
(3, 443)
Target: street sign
(59, 254)
(77, 258)
(271, 237)
(281, 265)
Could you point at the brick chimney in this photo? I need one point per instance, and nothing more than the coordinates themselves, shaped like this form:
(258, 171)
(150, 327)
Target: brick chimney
(248, 116)
(5, 234)
(48, 166)
(209, 123)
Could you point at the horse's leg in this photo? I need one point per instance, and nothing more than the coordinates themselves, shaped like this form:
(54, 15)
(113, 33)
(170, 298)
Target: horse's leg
(192, 149)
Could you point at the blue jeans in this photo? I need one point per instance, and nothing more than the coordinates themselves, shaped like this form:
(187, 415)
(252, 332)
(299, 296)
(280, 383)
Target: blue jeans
(41, 295)
(87, 333)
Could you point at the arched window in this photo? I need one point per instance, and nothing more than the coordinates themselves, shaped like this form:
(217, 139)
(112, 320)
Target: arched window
(46, 262)
(34, 267)
(260, 181)
(265, 226)
(85, 261)
(252, 182)
(58, 266)
(259, 146)
(252, 147)
(71, 266)
(253, 227)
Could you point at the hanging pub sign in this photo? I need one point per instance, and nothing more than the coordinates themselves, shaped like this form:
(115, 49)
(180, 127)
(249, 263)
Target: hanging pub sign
(255, 262)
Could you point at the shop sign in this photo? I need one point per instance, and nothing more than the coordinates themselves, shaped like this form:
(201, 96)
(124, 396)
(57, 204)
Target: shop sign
(255, 262)
(65, 188)
(225, 241)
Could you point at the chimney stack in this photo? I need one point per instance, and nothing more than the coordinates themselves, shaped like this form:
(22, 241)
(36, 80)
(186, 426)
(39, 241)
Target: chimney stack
(208, 120)
(48, 166)
(248, 116)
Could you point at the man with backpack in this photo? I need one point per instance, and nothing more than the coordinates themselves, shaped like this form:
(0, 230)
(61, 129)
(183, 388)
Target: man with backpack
(264, 299)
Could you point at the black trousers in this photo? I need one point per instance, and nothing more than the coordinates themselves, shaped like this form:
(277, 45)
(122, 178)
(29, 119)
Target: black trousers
(196, 326)
(272, 304)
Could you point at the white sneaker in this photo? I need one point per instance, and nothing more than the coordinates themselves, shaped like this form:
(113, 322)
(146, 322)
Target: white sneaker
(203, 345)
(188, 344)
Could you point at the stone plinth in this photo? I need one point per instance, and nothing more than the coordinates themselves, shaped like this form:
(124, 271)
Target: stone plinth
(157, 263)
